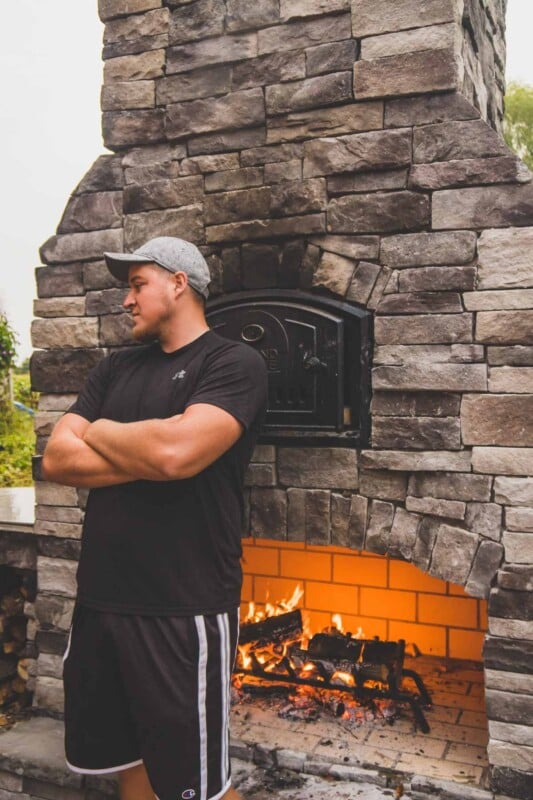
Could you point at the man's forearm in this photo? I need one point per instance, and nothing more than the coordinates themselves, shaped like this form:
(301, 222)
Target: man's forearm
(138, 448)
(73, 462)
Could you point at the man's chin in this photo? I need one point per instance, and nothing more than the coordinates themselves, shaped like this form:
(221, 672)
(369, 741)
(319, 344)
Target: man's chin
(142, 335)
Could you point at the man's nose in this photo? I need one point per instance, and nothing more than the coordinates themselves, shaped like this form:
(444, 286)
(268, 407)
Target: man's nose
(128, 301)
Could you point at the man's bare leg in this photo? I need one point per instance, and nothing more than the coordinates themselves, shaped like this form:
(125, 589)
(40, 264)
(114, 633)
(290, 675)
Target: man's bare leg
(134, 784)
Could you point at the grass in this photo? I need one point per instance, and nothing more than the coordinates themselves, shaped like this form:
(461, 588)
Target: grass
(17, 439)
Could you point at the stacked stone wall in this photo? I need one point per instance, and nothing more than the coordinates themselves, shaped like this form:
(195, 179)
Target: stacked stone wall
(330, 147)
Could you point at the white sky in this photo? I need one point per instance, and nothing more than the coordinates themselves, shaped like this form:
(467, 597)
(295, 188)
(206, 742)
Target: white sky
(51, 73)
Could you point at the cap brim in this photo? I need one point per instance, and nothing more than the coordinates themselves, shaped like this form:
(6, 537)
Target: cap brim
(119, 264)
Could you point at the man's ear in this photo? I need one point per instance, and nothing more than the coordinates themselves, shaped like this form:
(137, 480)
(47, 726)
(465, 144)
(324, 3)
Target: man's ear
(180, 282)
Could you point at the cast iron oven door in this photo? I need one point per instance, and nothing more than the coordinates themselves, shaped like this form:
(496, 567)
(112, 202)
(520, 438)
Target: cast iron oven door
(316, 351)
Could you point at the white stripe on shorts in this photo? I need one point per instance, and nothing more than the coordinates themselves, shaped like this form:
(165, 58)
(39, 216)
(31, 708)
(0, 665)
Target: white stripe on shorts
(223, 628)
(202, 718)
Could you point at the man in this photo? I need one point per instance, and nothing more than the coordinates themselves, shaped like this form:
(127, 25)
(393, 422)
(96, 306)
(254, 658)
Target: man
(162, 435)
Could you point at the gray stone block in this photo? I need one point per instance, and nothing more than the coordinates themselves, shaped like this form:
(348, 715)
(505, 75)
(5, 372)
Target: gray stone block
(197, 20)
(105, 175)
(485, 519)
(426, 329)
(270, 69)
(322, 90)
(424, 110)
(432, 506)
(378, 16)
(209, 163)
(330, 57)
(356, 247)
(518, 577)
(269, 513)
(226, 140)
(127, 95)
(298, 9)
(505, 327)
(139, 67)
(436, 353)
(431, 249)
(421, 303)
(467, 172)
(219, 50)
(503, 460)
(185, 222)
(236, 110)
(348, 521)
(314, 467)
(363, 281)
(284, 171)
(503, 258)
(238, 205)
(497, 420)
(138, 26)
(483, 207)
(443, 461)
(267, 229)
(62, 371)
(429, 37)
(519, 519)
(379, 526)
(59, 281)
(292, 198)
(51, 494)
(234, 179)
(163, 194)
(415, 404)
(486, 563)
(67, 332)
(403, 535)
(57, 577)
(359, 151)
(383, 212)
(260, 475)
(423, 279)
(126, 128)
(115, 329)
(423, 72)
(383, 485)
(495, 300)
(107, 301)
(130, 47)
(193, 85)
(416, 433)
(108, 9)
(72, 247)
(368, 181)
(457, 140)
(443, 377)
(260, 265)
(334, 273)
(453, 554)
(509, 707)
(243, 15)
(326, 122)
(514, 491)
(512, 356)
(297, 35)
(259, 156)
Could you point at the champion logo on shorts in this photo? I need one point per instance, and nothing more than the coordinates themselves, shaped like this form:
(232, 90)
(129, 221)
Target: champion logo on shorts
(181, 374)
(188, 794)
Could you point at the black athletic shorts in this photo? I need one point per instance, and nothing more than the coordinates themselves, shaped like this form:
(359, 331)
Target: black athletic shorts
(152, 690)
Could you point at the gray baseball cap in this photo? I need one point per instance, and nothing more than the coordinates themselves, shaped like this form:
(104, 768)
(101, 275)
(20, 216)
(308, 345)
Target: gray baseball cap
(169, 252)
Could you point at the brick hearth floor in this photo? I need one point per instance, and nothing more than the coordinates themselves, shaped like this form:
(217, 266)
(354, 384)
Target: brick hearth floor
(454, 749)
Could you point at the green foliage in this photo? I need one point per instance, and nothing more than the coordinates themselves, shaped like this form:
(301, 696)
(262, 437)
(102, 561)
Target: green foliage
(17, 438)
(518, 121)
(22, 389)
(8, 344)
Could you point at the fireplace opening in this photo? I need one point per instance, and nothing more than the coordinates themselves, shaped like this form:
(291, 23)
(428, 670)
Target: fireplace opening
(416, 623)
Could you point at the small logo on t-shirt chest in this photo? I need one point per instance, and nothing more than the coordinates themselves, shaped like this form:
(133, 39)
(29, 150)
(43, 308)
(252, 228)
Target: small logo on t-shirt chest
(179, 375)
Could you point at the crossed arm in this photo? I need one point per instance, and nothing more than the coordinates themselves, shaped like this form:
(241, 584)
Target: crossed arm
(105, 453)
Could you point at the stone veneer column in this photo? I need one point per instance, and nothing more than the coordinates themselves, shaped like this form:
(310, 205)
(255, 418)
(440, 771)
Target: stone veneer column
(341, 148)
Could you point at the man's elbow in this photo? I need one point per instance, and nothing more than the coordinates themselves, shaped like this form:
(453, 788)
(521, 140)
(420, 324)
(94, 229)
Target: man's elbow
(175, 466)
(50, 467)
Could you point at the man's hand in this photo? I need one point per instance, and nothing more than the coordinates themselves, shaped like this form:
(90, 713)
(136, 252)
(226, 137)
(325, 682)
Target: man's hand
(166, 449)
(71, 461)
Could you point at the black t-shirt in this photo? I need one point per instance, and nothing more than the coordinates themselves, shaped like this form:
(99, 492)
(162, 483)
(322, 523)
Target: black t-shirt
(171, 547)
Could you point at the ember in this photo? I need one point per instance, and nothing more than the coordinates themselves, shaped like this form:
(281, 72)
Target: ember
(354, 678)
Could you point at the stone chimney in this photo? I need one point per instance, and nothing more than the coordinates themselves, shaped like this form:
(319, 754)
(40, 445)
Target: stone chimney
(349, 150)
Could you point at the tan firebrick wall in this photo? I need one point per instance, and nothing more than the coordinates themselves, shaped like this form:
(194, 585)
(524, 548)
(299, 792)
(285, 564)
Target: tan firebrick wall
(385, 597)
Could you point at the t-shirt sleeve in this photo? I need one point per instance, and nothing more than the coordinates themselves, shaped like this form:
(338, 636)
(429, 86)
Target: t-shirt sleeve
(91, 397)
(236, 381)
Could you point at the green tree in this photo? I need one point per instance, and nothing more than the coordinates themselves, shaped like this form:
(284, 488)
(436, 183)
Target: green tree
(518, 121)
(8, 351)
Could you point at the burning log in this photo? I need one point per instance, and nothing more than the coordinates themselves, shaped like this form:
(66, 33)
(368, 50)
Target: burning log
(273, 630)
